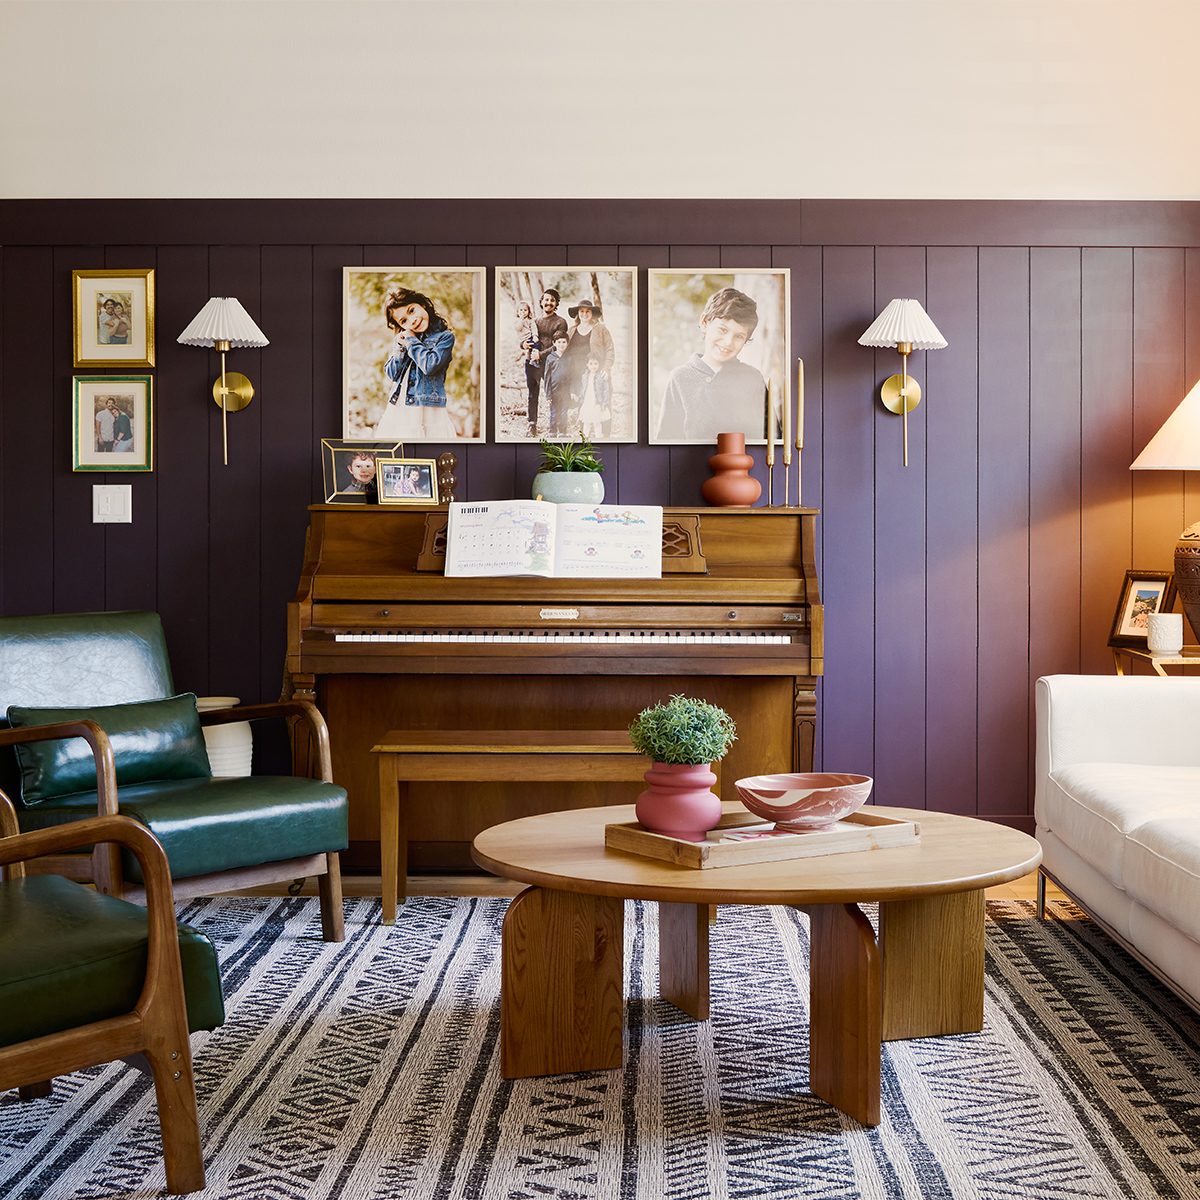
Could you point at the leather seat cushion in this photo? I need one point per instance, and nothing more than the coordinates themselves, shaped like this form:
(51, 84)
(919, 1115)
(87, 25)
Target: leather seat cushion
(1162, 869)
(70, 956)
(1091, 807)
(208, 825)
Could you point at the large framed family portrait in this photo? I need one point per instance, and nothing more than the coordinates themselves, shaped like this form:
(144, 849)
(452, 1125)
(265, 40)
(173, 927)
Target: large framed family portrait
(413, 354)
(113, 423)
(717, 340)
(113, 318)
(566, 353)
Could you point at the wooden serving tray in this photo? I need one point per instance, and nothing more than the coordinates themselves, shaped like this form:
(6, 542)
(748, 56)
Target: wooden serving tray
(859, 831)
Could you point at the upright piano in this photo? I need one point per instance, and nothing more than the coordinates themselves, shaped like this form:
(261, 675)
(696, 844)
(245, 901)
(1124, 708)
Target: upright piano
(380, 639)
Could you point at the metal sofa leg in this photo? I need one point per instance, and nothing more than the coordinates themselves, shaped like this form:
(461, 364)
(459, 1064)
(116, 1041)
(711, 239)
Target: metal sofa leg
(1041, 895)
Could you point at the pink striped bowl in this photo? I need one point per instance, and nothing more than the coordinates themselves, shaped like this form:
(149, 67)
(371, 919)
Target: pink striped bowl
(814, 800)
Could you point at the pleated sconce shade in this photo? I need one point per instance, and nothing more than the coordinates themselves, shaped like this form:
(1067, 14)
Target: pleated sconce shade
(903, 321)
(223, 319)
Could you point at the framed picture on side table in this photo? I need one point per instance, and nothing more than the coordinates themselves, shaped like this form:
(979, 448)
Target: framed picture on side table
(113, 318)
(1142, 594)
(113, 427)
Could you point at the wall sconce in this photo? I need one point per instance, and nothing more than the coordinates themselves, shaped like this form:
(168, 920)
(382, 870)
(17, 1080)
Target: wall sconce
(905, 326)
(220, 325)
(1176, 447)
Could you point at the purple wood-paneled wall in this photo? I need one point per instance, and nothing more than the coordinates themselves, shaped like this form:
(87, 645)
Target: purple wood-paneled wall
(949, 586)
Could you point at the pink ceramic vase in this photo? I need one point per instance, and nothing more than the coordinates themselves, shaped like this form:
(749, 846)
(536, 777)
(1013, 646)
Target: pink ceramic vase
(731, 484)
(679, 801)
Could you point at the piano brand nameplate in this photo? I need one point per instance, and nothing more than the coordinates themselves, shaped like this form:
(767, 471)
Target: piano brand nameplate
(559, 614)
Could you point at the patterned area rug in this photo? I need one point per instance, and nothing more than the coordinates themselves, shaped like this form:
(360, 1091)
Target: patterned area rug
(370, 1071)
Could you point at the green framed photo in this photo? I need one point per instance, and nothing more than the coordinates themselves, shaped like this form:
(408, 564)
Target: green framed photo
(113, 423)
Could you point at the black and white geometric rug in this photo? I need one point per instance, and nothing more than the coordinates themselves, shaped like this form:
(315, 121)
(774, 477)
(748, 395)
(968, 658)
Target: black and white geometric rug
(369, 1071)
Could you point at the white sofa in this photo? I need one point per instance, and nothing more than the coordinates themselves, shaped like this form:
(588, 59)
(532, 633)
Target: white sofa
(1118, 811)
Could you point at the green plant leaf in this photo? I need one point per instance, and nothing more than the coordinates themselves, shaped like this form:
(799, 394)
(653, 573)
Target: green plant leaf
(683, 730)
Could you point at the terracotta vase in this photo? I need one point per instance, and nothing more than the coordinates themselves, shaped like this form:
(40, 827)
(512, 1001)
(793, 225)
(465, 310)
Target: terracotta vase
(679, 801)
(731, 483)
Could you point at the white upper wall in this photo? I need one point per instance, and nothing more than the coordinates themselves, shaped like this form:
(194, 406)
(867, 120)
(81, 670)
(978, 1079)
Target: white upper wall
(931, 99)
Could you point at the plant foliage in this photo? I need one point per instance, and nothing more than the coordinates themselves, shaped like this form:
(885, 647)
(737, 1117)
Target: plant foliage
(569, 456)
(683, 730)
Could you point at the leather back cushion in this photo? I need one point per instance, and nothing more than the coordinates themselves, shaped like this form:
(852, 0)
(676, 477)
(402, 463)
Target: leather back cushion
(151, 740)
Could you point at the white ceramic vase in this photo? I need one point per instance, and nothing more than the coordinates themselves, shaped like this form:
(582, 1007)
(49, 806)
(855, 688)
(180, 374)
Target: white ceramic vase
(569, 487)
(230, 747)
(1164, 633)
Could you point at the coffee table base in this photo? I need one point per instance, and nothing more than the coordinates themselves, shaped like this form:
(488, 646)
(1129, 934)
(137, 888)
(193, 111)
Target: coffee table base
(562, 995)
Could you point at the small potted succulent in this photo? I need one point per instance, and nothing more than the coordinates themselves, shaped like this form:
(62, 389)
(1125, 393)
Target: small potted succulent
(685, 737)
(569, 473)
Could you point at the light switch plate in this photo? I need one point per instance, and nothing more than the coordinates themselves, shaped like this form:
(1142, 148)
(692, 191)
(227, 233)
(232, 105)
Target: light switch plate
(112, 503)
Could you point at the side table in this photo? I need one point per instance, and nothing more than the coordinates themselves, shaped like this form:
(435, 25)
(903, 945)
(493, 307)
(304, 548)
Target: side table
(1188, 657)
(491, 755)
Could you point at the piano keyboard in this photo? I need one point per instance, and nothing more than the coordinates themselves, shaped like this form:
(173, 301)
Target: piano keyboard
(558, 637)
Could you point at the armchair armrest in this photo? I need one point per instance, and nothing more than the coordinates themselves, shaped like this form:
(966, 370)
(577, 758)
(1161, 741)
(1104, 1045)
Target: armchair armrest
(304, 709)
(162, 930)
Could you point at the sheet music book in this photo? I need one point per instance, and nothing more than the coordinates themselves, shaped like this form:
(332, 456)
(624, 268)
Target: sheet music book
(558, 541)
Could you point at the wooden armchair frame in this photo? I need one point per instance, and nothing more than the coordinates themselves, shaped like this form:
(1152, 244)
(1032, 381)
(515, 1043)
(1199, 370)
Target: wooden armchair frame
(157, 1028)
(104, 865)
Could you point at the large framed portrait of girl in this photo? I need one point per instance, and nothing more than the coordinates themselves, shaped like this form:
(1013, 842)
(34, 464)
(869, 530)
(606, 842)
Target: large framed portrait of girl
(566, 353)
(413, 354)
(717, 339)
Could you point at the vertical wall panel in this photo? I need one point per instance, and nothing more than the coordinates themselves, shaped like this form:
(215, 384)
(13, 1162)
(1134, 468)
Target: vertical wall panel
(899, 555)
(848, 689)
(1003, 529)
(1158, 324)
(1191, 375)
(325, 322)
(951, 415)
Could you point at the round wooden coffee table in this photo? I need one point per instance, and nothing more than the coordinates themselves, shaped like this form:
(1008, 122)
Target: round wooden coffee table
(562, 1001)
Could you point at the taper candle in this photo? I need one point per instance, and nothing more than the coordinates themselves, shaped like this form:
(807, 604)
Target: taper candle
(787, 423)
(799, 404)
(770, 428)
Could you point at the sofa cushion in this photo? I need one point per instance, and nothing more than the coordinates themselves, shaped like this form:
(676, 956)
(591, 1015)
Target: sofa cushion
(151, 740)
(1162, 869)
(70, 956)
(1093, 806)
(208, 825)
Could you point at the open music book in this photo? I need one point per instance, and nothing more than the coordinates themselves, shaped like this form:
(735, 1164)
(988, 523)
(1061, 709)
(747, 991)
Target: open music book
(566, 541)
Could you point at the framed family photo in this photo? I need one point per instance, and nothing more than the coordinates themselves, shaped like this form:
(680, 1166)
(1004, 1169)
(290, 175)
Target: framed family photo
(113, 423)
(407, 481)
(413, 354)
(717, 338)
(1142, 594)
(566, 353)
(113, 318)
(348, 469)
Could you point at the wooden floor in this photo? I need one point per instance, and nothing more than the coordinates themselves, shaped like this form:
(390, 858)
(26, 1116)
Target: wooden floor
(489, 885)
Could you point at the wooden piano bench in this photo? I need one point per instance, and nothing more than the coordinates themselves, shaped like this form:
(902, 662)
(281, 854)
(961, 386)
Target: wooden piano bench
(490, 755)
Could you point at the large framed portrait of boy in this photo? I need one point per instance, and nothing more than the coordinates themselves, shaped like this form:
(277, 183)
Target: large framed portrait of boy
(113, 318)
(717, 339)
(113, 427)
(566, 353)
(413, 354)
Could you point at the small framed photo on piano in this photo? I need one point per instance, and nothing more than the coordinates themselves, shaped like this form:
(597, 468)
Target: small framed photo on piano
(407, 480)
(349, 468)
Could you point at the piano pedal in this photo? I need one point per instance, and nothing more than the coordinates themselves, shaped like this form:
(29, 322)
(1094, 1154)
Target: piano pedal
(297, 886)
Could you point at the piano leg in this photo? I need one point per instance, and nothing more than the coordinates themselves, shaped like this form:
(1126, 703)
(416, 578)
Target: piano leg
(804, 723)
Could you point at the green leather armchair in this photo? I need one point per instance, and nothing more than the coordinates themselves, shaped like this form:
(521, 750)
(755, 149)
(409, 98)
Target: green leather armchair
(218, 833)
(86, 979)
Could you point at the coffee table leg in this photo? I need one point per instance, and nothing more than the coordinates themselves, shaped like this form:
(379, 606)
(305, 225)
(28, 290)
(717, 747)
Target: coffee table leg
(562, 984)
(393, 852)
(932, 965)
(844, 1011)
(683, 956)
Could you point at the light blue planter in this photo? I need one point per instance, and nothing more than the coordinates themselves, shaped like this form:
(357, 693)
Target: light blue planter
(569, 487)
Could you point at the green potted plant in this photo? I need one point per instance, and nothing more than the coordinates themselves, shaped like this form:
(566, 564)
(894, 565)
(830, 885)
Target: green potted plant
(684, 736)
(569, 473)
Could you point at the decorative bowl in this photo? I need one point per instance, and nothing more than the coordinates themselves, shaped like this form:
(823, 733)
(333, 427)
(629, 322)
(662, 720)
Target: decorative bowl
(814, 800)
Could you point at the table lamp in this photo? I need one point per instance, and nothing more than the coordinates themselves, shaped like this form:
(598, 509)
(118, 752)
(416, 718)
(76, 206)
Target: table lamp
(1176, 447)
(220, 325)
(905, 326)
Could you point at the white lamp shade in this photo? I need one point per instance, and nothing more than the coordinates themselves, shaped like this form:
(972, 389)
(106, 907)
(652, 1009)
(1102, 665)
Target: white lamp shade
(1176, 446)
(903, 321)
(223, 319)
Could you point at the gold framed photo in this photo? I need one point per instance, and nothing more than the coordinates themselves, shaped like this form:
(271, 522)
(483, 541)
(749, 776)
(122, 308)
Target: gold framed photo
(113, 318)
(407, 480)
(113, 428)
(1142, 594)
(349, 468)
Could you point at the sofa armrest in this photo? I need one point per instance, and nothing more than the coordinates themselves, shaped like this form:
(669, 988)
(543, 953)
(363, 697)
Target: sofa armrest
(1111, 718)
(304, 709)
